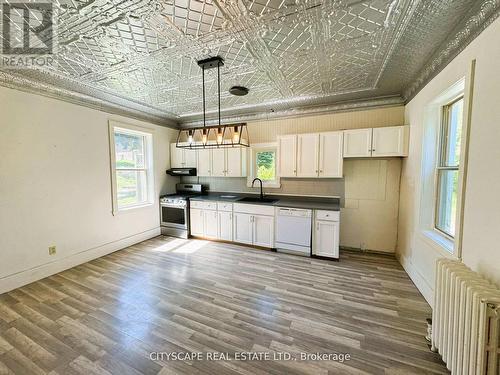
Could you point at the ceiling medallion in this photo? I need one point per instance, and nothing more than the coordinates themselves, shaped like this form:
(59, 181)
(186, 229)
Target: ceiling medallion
(214, 136)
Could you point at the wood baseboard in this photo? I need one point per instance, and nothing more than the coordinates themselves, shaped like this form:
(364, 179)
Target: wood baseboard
(416, 277)
(28, 276)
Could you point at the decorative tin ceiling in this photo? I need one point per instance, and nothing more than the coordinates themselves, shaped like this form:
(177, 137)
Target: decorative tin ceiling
(139, 56)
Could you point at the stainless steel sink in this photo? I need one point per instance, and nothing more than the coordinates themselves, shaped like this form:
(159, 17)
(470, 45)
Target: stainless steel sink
(257, 200)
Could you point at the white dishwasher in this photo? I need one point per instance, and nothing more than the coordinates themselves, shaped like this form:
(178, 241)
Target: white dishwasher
(293, 230)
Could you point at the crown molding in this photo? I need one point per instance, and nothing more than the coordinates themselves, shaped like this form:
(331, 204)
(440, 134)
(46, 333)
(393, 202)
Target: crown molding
(462, 36)
(115, 105)
(358, 105)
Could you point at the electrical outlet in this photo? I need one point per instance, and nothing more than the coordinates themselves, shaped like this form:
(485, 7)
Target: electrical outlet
(52, 250)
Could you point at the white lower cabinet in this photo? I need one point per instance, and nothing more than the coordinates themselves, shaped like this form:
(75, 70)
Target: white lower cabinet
(225, 225)
(196, 219)
(263, 231)
(210, 223)
(254, 225)
(243, 231)
(326, 234)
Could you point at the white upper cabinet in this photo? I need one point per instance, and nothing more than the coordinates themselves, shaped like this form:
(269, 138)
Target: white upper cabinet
(311, 155)
(218, 162)
(181, 157)
(204, 165)
(307, 155)
(376, 142)
(390, 141)
(190, 158)
(287, 146)
(222, 162)
(236, 162)
(229, 162)
(358, 143)
(176, 156)
(330, 154)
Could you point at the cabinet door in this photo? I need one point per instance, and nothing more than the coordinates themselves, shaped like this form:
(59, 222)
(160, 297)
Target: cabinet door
(190, 158)
(225, 225)
(331, 160)
(210, 223)
(307, 155)
(234, 162)
(196, 218)
(287, 146)
(357, 143)
(263, 231)
(204, 166)
(218, 162)
(176, 156)
(326, 239)
(243, 228)
(390, 141)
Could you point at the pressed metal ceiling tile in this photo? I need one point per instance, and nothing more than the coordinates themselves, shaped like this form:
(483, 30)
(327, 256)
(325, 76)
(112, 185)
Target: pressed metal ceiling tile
(284, 51)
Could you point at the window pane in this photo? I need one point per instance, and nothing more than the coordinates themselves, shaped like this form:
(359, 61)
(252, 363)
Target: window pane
(266, 165)
(452, 134)
(129, 149)
(447, 201)
(131, 188)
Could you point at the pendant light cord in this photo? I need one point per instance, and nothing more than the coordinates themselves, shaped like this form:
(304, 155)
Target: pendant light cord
(218, 79)
(204, 110)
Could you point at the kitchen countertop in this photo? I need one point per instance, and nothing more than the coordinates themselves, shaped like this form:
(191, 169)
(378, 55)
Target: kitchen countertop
(314, 203)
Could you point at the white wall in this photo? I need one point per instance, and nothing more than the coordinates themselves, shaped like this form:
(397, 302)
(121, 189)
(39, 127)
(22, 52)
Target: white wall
(55, 187)
(481, 236)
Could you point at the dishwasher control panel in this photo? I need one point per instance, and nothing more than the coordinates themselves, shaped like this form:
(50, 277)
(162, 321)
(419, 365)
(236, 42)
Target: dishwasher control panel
(296, 212)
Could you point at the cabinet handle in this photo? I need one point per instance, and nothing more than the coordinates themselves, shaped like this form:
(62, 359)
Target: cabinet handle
(321, 171)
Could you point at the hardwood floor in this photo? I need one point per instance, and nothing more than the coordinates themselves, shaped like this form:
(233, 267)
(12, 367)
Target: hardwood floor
(170, 295)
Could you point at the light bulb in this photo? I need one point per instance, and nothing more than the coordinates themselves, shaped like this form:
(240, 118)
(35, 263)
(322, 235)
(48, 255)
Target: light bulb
(236, 135)
(204, 137)
(190, 136)
(219, 136)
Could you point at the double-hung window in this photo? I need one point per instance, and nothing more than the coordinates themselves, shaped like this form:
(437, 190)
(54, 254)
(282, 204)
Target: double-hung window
(447, 168)
(263, 161)
(132, 167)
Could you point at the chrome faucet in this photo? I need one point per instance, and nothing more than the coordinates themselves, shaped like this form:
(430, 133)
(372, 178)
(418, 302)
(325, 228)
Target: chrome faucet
(261, 193)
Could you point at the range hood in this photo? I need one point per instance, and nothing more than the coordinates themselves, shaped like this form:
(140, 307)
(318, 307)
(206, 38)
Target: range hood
(181, 171)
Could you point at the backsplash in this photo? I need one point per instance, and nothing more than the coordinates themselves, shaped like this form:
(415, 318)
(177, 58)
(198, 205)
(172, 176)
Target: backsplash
(292, 186)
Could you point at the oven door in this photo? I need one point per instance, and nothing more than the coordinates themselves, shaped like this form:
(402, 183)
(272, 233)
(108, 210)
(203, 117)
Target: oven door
(174, 216)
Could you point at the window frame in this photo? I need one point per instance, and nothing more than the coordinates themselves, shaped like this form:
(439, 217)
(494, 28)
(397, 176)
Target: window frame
(430, 152)
(252, 167)
(148, 135)
(441, 165)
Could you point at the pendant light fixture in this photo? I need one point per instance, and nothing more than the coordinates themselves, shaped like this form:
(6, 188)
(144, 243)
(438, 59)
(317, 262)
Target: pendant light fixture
(213, 136)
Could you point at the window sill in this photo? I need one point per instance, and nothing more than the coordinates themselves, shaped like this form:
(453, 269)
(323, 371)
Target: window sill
(440, 242)
(275, 185)
(131, 208)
